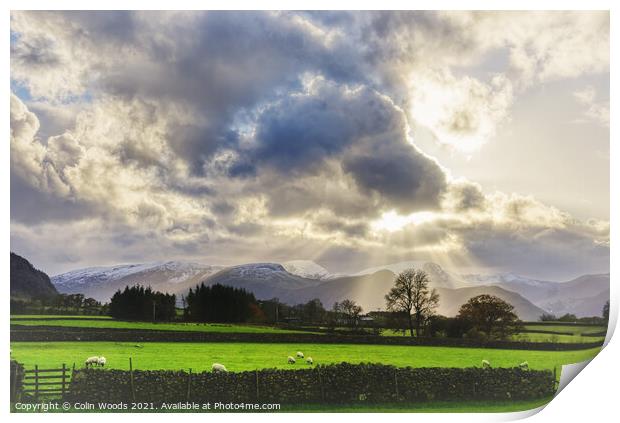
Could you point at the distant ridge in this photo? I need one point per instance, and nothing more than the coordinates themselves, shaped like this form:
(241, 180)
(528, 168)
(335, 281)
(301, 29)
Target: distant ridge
(299, 281)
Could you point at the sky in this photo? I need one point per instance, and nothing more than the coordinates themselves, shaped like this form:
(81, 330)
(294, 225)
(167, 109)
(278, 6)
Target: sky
(477, 140)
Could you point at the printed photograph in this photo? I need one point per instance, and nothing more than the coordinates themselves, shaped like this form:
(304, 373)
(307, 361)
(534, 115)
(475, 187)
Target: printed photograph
(306, 211)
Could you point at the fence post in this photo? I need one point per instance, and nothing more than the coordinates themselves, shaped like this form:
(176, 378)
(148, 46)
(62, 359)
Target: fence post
(256, 373)
(36, 382)
(64, 378)
(133, 391)
(189, 383)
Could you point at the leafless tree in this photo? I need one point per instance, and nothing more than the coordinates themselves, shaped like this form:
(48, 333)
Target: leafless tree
(411, 295)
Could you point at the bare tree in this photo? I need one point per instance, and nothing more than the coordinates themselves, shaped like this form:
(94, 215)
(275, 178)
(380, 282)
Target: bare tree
(411, 295)
(350, 310)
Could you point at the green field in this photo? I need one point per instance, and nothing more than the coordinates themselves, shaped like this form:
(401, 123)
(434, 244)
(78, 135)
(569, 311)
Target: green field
(120, 324)
(250, 356)
(577, 330)
(107, 322)
(549, 337)
(526, 336)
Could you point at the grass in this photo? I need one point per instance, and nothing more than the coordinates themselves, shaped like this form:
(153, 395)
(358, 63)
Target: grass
(107, 322)
(577, 330)
(540, 337)
(549, 337)
(250, 356)
(180, 326)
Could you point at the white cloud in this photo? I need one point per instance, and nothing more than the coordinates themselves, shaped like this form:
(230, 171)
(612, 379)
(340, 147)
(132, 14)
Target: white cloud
(462, 112)
(595, 111)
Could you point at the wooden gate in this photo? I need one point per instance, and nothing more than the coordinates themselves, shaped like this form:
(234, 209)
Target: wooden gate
(47, 382)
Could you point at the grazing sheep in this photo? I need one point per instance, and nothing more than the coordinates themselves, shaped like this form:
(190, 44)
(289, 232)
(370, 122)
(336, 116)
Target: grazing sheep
(524, 366)
(486, 364)
(309, 361)
(300, 354)
(101, 362)
(91, 361)
(218, 368)
(291, 360)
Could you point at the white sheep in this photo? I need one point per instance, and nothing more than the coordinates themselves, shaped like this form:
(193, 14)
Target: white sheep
(300, 354)
(309, 361)
(218, 368)
(486, 364)
(91, 361)
(101, 362)
(291, 360)
(524, 366)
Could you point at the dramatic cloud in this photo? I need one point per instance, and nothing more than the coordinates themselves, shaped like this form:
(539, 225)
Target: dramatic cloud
(463, 113)
(241, 136)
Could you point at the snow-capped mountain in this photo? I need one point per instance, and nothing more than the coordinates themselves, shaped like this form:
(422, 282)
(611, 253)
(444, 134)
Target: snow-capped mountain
(307, 269)
(301, 280)
(265, 280)
(101, 282)
(500, 278)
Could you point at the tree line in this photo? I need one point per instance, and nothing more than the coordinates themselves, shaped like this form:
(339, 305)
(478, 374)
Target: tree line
(410, 308)
(76, 304)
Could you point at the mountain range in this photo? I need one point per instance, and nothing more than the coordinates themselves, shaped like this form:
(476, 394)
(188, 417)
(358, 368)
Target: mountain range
(300, 280)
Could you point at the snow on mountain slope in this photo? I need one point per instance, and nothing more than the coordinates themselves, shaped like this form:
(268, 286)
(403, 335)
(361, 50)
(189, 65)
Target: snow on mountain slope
(501, 278)
(101, 282)
(265, 280)
(307, 269)
(300, 280)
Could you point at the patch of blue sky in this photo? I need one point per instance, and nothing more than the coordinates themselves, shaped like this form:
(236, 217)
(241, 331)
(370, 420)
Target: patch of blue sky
(14, 36)
(21, 90)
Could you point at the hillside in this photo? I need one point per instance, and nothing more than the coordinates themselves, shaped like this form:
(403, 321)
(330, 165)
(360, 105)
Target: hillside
(452, 299)
(583, 296)
(28, 282)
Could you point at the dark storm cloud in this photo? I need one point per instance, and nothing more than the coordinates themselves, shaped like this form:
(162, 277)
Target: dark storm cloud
(405, 178)
(297, 133)
(357, 128)
(224, 63)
